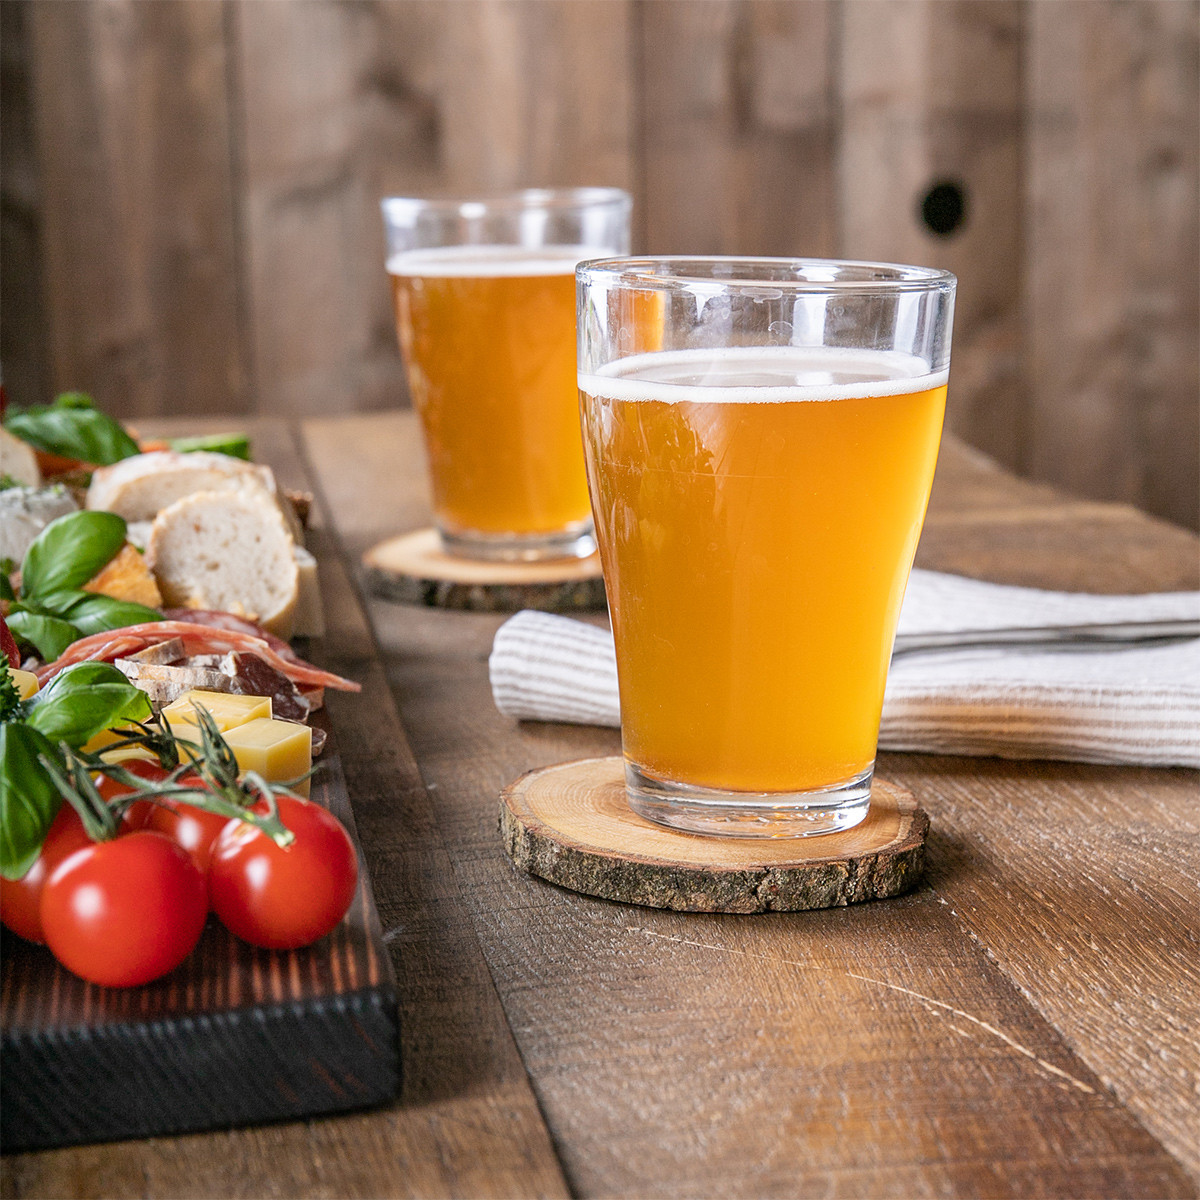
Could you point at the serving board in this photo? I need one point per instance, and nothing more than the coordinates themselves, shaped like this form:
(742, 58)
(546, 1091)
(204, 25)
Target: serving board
(414, 569)
(570, 824)
(234, 1036)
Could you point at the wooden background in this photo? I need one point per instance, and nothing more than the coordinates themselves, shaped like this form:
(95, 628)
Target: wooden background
(190, 188)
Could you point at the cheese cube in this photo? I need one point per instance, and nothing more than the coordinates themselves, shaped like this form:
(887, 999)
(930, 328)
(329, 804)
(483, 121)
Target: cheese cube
(129, 754)
(105, 737)
(227, 710)
(26, 682)
(277, 750)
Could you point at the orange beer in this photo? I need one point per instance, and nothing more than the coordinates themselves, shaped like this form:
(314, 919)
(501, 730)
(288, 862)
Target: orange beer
(488, 338)
(757, 511)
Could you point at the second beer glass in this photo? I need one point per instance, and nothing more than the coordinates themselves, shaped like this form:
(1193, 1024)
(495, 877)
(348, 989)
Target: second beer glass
(484, 293)
(761, 437)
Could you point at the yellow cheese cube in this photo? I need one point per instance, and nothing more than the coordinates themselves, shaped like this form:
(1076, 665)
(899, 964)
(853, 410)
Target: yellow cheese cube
(227, 710)
(129, 754)
(26, 682)
(277, 750)
(104, 738)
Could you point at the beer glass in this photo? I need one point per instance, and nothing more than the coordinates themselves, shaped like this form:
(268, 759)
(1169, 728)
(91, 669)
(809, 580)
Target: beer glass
(484, 293)
(760, 437)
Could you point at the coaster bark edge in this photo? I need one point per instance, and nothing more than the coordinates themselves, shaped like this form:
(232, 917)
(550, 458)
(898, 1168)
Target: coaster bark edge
(569, 824)
(414, 569)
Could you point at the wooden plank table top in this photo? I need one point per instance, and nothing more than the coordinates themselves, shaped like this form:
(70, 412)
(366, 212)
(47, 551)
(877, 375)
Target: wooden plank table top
(1024, 1024)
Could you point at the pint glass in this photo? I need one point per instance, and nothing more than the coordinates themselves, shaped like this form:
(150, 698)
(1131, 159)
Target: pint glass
(760, 436)
(484, 294)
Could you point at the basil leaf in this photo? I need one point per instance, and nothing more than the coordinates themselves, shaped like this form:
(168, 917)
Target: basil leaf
(91, 613)
(70, 551)
(6, 587)
(78, 716)
(49, 636)
(74, 428)
(29, 801)
(236, 445)
(80, 676)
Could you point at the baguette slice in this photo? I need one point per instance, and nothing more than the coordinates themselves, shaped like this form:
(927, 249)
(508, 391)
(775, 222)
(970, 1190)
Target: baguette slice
(230, 551)
(139, 488)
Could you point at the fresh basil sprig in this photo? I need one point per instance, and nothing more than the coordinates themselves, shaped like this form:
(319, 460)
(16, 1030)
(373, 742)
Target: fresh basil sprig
(72, 709)
(52, 610)
(74, 428)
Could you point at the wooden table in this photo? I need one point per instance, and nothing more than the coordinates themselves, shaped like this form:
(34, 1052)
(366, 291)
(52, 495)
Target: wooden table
(1024, 1024)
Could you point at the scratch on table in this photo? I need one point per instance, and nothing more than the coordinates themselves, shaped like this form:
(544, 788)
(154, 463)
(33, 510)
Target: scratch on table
(966, 1016)
(928, 1000)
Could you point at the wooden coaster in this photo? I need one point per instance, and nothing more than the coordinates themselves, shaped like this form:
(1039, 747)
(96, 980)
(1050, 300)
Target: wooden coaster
(414, 569)
(570, 824)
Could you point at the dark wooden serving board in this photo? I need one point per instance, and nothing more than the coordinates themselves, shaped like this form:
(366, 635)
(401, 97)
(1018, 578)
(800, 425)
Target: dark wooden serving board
(234, 1036)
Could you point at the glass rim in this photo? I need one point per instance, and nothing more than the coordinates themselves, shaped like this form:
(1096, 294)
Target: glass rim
(519, 200)
(686, 271)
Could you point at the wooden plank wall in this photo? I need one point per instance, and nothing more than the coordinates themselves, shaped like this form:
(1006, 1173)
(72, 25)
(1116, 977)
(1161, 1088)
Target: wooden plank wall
(190, 189)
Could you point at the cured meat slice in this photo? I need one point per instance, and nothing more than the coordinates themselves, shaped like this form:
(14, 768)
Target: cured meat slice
(251, 676)
(197, 639)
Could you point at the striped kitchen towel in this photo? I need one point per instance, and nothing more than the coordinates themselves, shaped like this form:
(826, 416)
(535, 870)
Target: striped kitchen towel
(1135, 704)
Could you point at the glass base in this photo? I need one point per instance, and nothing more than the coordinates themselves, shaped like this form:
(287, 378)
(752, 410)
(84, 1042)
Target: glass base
(575, 541)
(749, 814)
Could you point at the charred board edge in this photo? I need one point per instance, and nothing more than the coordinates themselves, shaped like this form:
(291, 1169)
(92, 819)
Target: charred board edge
(194, 1072)
(689, 887)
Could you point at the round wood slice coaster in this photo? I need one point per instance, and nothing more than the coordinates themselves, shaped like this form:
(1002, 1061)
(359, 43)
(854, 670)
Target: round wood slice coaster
(414, 569)
(570, 824)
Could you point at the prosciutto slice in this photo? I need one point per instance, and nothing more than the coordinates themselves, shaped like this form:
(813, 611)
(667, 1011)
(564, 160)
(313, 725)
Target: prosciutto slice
(197, 638)
(231, 621)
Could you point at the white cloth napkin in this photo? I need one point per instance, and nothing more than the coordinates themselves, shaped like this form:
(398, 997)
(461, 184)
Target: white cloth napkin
(1106, 705)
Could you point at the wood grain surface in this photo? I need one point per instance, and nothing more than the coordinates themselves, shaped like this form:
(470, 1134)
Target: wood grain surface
(1021, 1025)
(571, 824)
(167, 160)
(1001, 1031)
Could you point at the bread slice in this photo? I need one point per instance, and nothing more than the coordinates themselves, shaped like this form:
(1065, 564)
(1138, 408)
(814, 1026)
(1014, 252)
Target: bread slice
(139, 488)
(230, 551)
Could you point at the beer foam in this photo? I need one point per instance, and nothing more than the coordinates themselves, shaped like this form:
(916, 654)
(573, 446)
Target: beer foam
(499, 262)
(762, 375)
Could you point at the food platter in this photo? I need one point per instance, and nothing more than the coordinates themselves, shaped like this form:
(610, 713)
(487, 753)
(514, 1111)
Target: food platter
(228, 1032)
(235, 1036)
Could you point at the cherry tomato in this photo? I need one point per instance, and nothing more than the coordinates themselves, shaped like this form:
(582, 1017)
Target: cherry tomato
(21, 899)
(137, 813)
(9, 654)
(124, 912)
(188, 826)
(284, 898)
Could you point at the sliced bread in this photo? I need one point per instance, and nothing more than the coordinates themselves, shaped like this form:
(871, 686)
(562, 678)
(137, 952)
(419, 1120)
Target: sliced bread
(139, 488)
(227, 550)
